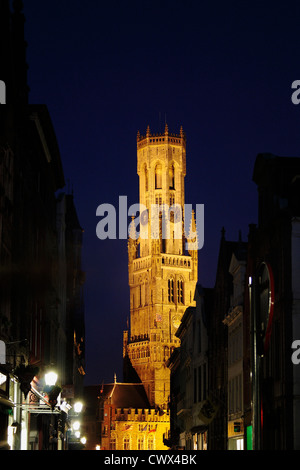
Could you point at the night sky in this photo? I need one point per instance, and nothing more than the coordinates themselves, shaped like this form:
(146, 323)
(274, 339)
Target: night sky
(222, 70)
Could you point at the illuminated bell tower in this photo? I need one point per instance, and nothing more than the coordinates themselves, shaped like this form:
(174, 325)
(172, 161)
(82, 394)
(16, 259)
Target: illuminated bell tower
(162, 274)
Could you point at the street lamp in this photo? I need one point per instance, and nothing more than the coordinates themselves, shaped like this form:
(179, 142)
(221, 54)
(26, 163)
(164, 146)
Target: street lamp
(51, 388)
(78, 407)
(76, 425)
(50, 379)
(74, 431)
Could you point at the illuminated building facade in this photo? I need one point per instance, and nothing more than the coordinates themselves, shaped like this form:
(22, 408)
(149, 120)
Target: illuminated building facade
(127, 420)
(162, 273)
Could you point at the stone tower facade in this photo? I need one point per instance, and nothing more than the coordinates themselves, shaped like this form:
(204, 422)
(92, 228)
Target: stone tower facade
(163, 270)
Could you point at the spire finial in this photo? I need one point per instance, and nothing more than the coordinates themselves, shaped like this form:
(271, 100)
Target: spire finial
(193, 227)
(166, 129)
(148, 131)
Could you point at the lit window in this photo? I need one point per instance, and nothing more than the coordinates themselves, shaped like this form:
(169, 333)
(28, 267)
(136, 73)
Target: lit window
(126, 443)
(146, 179)
(113, 443)
(150, 443)
(158, 176)
(140, 443)
(171, 177)
(171, 290)
(180, 292)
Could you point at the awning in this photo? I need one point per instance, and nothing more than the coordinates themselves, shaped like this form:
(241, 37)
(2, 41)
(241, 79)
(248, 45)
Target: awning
(198, 429)
(42, 406)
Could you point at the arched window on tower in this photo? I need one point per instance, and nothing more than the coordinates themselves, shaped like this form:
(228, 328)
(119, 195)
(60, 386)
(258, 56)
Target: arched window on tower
(126, 443)
(172, 177)
(158, 176)
(146, 178)
(180, 297)
(171, 290)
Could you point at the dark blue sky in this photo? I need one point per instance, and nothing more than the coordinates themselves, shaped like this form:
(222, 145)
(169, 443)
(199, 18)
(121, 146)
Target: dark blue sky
(222, 70)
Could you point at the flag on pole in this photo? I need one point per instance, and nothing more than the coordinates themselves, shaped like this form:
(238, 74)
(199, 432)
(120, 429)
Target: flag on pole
(127, 427)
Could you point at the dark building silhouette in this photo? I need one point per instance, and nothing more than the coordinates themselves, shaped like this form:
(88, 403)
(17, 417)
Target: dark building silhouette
(218, 343)
(189, 377)
(41, 280)
(13, 64)
(91, 424)
(274, 266)
(268, 326)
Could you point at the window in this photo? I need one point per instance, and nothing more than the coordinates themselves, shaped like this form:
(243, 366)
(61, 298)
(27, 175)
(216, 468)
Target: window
(180, 292)
(171, 290)
(151, 443)
(126, 443)
(171, 177)
(195, 386)
(158, 176)
(158, 200)
(140, 443)
(146, 179)
(199, 384)
(113, 443)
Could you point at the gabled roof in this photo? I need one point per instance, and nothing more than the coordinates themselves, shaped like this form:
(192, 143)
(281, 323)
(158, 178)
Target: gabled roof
(126, 395)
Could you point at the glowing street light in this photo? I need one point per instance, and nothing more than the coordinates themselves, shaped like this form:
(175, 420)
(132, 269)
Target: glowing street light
(50, 379)
(78, 407)
(76, 425)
